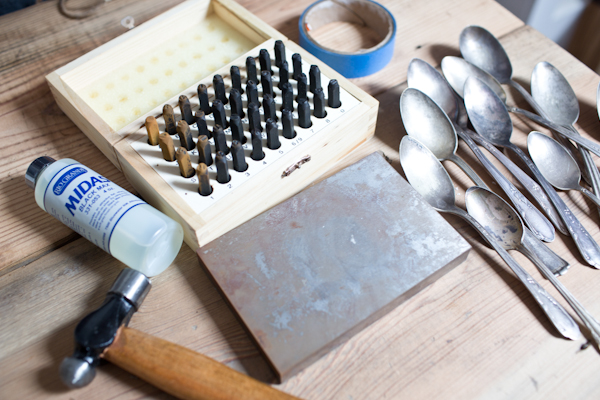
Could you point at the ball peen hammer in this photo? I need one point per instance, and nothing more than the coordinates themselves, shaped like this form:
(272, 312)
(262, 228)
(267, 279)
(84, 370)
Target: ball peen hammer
(103, 334)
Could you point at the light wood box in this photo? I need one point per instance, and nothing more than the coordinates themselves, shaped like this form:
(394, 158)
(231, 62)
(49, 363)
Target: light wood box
(263, 190)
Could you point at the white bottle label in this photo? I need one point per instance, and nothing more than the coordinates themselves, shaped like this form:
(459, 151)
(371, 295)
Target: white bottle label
(88, 203)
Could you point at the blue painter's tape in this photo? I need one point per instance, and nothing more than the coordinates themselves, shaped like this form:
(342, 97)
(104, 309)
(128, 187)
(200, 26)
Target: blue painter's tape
(361, 63)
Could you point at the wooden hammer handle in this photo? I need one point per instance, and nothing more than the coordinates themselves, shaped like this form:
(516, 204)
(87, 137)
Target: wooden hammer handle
(182, 372)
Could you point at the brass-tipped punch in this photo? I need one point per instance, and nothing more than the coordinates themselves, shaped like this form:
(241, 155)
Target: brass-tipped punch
(204, 150)
(204, 187)
(185, 164)
(185, 135)
(153, 131)
(166, 146)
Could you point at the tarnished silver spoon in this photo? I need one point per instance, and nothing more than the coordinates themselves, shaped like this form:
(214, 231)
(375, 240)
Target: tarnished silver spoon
(422, 76)
(504, 224)
(490, 118)
(427, 175)
(552, 92)
(457, 70)
(424, 119)
(556, 164)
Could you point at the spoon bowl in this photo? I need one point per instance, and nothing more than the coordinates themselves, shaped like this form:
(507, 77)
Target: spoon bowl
(554, 94)
(504, 224)
(423, 121)
(421, 75)
(457, 70)
(481, 48)
(553, 161)
(427, 175)
(556, 164)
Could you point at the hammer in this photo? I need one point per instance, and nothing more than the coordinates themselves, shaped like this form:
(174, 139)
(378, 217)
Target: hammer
(103, 334)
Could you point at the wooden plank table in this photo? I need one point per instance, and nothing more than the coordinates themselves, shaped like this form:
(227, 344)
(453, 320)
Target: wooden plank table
(475, 333)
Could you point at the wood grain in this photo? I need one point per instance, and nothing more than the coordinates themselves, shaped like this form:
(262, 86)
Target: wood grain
(476, 333)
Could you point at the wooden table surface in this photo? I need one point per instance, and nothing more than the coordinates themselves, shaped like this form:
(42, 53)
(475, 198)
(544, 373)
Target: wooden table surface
(475, 333)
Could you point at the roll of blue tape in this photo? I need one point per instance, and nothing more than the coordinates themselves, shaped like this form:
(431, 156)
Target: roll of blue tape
(363, 12)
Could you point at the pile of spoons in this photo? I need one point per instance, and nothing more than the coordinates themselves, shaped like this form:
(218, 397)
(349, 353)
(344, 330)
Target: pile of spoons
(436, 110)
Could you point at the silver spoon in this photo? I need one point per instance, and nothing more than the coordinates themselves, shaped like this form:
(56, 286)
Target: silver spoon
(427, 175)
(419, 123)
(556, 164)
(481, 48)
(552, 92)
(490, 119)
(423, 118)
(422, 76)
(504, 224)
(457, 70)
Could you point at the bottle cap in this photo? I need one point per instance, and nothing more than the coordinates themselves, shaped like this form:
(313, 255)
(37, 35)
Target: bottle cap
(36, 168)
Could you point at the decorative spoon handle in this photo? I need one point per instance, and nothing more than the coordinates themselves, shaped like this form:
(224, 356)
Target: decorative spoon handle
(541, 227)
(556, 264)
(555, 312)
(528, 183)
(580, 140)
(587, 318)
(590, 195)
(468, 170)
(588, 248)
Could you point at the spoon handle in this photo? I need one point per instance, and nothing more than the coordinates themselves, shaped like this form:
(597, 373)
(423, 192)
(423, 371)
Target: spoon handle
(541, 227)
(468, 170)
(593, 175)
(529, 184)
(588, 248)
(590, 195)
(556, 264)
(555, 312)
(528, 97)
(580, 140)
(590, 322)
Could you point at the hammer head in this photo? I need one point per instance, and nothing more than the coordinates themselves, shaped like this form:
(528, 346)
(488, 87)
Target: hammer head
(97, 330)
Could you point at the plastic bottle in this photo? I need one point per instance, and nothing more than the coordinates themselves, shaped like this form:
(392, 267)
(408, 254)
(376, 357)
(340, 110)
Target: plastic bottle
(107, 215)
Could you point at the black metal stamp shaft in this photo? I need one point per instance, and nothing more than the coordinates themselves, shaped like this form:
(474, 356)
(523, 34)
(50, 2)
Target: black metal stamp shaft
(314, 75)
(287, 97)
(297, 65)
(236, 78)
(220, 140)
(269, 107)
(237, 128)
(279, 53)
(201, 124)
(222, 168)
(203, 99)
(239, 158)
(284, 74)
(257, 151)
(235, 101)
(254, 118)
(219, 87)
(251, 70)
(252, 93)
(267, 83)
(319, 103)
(302, 88)
(204, 187)
(304, 120)
(264, 58)
(333, 94)
(272, 135)
(287, 120)
(219, 113)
